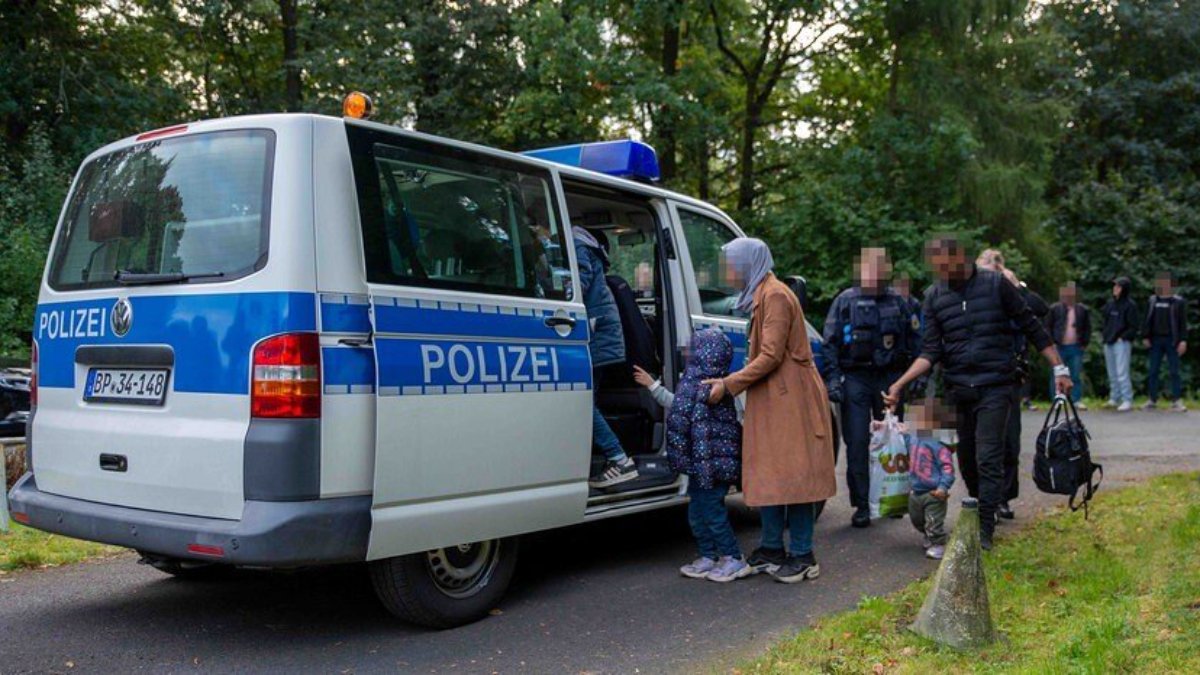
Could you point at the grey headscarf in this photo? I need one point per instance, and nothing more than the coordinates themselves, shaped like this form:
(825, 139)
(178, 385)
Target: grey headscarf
(751, 259)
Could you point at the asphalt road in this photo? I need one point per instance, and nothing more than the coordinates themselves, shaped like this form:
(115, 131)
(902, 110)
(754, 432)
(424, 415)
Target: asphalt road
(603, 597)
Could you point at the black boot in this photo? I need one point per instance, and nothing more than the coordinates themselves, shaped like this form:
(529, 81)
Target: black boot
(861, 517)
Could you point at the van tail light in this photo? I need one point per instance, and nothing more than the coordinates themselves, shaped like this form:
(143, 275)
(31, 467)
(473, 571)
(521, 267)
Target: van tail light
(287, 377)
(33, 378)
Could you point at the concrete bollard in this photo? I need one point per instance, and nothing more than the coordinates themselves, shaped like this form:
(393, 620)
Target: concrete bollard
(956, 612)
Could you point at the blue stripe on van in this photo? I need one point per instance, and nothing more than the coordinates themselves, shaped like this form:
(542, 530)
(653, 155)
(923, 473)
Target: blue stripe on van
(211, 334)
(348, 370)
(429, 317)
(418, 366)
(344, 313)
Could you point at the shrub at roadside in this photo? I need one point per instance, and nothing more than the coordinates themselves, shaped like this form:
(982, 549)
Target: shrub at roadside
(1117, 593)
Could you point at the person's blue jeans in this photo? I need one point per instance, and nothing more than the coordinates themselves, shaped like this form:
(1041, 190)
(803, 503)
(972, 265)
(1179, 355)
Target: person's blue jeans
(604, 438)
(1116, 361)
(710, 522)
(1159, 347)
(799, 520)
(1072, 356)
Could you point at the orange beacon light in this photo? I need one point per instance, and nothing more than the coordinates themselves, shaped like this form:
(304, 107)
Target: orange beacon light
(357, 105)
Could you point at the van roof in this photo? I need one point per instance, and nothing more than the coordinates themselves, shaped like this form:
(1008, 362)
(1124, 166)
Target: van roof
(242, 121)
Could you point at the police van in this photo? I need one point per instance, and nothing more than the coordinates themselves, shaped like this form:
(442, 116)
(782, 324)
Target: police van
(288, 340)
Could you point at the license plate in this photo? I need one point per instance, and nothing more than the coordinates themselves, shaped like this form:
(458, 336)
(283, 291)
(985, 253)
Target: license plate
(141, 386)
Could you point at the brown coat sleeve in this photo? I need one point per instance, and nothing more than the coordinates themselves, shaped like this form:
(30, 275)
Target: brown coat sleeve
(776, 324)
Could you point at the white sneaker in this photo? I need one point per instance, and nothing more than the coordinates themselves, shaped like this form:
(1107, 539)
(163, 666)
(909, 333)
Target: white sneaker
(935, 552)
(729, 568)
(1125, 406)
(1178, 406)
(699, 568)
(1110, 403)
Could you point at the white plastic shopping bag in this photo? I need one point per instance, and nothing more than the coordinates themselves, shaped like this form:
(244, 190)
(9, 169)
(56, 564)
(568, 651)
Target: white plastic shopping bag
(889, 468)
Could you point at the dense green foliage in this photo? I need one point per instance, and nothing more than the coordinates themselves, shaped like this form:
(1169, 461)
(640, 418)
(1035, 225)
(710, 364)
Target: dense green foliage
(1064, 132)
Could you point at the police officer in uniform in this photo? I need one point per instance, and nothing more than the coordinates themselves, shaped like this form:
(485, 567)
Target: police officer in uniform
(870, 335)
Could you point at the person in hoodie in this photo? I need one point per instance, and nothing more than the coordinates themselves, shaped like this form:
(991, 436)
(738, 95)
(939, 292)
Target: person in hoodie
(1120, 327)
(607, 346)
(1165, 333)
(704, 442)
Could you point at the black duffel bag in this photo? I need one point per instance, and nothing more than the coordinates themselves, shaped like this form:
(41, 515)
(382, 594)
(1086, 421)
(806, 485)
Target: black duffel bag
(1062, 464)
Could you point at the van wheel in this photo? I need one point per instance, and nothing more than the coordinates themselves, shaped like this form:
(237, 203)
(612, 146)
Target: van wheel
(446, 587)
(186, 569)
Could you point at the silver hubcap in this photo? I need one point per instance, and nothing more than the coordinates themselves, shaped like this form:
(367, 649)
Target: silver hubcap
(464, 570)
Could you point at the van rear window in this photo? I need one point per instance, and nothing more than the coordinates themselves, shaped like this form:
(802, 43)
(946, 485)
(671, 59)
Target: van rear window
(191, 208)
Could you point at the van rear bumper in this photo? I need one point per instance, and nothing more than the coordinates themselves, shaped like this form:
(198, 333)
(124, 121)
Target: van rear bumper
(270, 534)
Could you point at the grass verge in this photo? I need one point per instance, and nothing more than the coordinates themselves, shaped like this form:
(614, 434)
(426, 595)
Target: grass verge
(22, 547)
(1117, 593)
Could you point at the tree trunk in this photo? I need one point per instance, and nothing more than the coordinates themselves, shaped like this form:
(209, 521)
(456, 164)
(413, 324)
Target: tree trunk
(667, 123)
(703, 189)
(291, 55)
(746, 188)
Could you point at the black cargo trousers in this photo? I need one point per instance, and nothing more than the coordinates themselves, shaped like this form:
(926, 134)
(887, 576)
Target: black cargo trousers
(983, 419)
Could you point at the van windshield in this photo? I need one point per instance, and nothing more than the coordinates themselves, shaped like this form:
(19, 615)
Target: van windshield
(192, 208)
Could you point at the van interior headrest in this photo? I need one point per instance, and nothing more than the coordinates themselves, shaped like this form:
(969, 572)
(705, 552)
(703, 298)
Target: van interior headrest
(114, 220)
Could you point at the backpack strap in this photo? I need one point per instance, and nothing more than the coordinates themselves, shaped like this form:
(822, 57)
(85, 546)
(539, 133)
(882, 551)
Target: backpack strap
(1088, 492)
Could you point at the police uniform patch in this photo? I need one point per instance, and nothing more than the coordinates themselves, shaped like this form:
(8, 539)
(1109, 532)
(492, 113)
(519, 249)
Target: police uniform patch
(916, 322)
(889, 341)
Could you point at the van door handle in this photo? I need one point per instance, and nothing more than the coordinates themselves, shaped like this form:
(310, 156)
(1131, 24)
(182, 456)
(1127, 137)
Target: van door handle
(556, 321)
(113, 462)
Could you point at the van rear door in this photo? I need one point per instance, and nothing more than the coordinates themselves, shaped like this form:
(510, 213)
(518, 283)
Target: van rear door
(165, 273)
(483, 390)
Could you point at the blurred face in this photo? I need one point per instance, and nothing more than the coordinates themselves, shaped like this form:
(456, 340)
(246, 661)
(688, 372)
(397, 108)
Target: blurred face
(903, 286)
(1162, 286)
(1067, 294)
(1116, 290)
(948, 263)
(730, 276)
(872, 268)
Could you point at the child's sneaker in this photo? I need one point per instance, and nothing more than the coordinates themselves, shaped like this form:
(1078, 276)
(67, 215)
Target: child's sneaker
(1178, 406)
(1150, 405)
(729, 568)
(935, 552)
(767, 559)
(699, 568)
(1125, 406)
(798, 568)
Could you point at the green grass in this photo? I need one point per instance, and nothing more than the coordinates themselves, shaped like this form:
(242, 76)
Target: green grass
(1118, 593)
(22, 547)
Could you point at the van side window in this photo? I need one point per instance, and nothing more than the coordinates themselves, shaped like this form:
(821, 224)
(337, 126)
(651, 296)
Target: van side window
(705, 237)
(442, 217)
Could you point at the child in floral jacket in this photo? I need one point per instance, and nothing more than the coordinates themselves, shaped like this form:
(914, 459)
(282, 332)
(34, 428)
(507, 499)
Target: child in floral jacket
(705, 443)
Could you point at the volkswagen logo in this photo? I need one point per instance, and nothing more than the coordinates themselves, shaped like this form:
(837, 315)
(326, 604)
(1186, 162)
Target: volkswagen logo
(121, 317)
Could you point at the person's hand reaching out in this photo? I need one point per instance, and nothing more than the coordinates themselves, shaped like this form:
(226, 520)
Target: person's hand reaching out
(642, 377)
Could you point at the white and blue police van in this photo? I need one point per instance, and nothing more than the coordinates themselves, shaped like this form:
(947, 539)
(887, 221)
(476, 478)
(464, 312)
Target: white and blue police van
(290, 340)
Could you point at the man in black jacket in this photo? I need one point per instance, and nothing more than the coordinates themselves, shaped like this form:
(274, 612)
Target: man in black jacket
(969, 319)
(992, 259)
(1120, 330)
(1166, 335)
(1070, 326)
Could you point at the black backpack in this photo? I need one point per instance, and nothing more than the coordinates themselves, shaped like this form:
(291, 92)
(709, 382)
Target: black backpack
(1062, 464)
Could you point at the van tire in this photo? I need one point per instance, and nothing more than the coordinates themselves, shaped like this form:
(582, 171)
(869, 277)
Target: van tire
(409, 585)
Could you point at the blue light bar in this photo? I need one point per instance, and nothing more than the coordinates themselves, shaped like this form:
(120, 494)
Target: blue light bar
(626, 159)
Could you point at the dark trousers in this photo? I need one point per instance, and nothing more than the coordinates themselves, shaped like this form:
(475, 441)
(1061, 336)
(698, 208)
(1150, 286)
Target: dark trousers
(1012, 451)
(862, 401)
(983, 414)
(1161, 346)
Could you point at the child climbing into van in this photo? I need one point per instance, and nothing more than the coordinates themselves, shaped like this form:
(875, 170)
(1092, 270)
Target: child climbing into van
(931, 470)
(704, 442)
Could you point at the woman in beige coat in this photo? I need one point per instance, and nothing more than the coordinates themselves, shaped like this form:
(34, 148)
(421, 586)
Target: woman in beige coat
(787, 451)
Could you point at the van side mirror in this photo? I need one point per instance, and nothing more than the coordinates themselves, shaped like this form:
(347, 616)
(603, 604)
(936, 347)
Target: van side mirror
(799, 286)
(114, 220)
